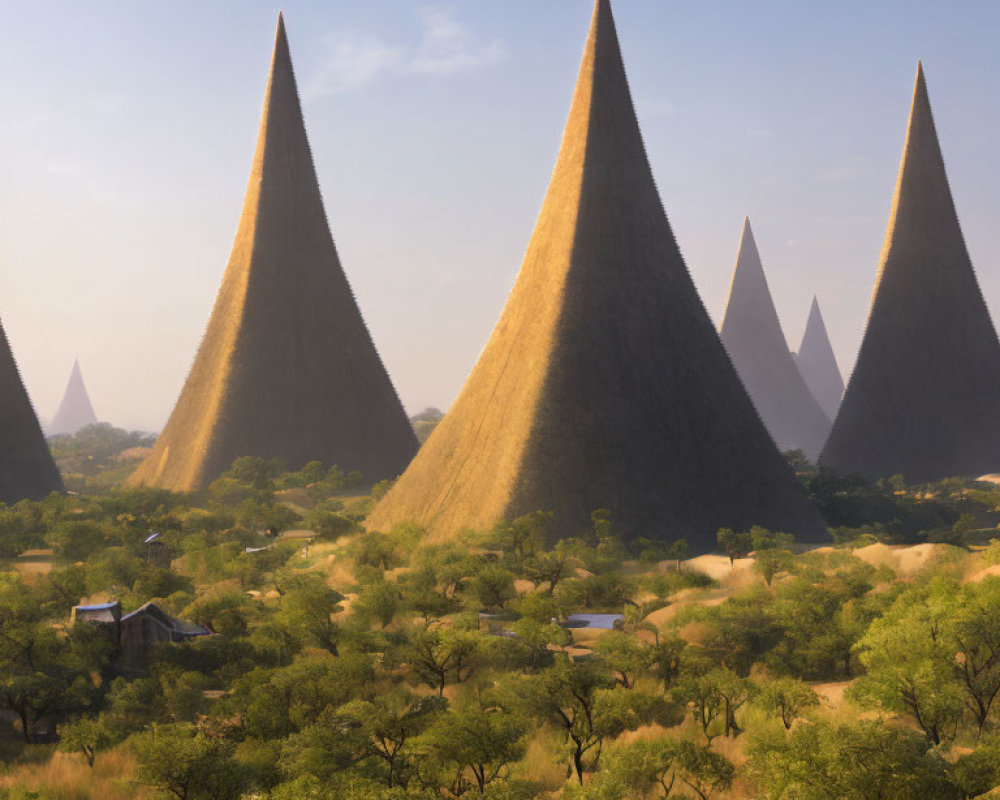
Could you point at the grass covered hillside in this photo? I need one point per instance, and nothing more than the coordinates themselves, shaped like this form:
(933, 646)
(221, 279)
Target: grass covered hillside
(514, 663)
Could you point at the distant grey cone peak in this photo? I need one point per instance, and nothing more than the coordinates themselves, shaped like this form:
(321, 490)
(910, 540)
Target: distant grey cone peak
(923, 398)
(751, 332)
(818, 364)
(75, 411)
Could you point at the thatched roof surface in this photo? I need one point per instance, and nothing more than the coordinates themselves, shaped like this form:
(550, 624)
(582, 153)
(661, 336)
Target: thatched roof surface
(923, 398)
(287, 368)
(604, 383)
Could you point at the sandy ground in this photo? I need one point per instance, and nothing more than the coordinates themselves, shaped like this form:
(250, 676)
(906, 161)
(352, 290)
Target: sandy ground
(32, 564)
(978, 576)
(718, 567)
(831, 693)
(905, 560)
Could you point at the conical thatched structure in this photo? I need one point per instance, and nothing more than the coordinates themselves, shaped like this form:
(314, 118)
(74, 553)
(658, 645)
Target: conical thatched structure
(924, 395)
(75, 411)
(818, 364)
(756, 344)
(27, 470)
(287, 368)
(604, 384)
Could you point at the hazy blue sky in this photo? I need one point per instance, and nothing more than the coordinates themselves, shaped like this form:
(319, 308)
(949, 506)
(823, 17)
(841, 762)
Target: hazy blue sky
(128, 129)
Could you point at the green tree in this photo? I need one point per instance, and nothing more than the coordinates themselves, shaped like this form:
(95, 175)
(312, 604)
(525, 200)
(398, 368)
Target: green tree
(307, 608)
(581, 699)
(45, 675)
(786, 698)
(376, 549)
(714, 693)
(661, 767)
(974, 628)
(550, 566)
(523, 538)
(380, 601)
(388, 723)
(860, 761)
(763, 539)
(438, 654)
(87, 735)
(768, 563)
(189, 765)
(274, 703)
(679, 551)
(477, 739)
(910, 661)
(625, 655)
(77, 540)
(978, 772)
(734, 544)
(491, 587)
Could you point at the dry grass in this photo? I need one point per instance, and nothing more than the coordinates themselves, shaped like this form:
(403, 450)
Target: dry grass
(66, 776)
(31, 571)
(546, 762)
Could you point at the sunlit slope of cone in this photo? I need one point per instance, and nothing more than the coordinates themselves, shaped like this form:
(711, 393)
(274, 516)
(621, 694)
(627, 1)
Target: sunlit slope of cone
(27, 470)
(287, 368)
(923, 398)
(604, 383)
(75, 411)
(818, 364)
(751, 332)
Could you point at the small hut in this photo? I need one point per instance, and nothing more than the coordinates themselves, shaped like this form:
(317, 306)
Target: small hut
(149, 624)
(157, 553)
(137, 631)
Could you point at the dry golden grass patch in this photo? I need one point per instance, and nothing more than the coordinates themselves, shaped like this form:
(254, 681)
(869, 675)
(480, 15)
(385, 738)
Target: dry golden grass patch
(67, 777)
(546, 761)
(907, 561)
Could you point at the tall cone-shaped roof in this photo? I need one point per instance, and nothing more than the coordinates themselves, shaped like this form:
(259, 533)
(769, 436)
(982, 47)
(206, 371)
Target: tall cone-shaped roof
(75, 411)
(923, 397)
(287, 368)
(818, 364)
(752, 335)
(27, 470)
(604, 384)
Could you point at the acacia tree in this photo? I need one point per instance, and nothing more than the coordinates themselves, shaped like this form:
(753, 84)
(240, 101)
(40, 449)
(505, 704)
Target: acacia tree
(436, 654)
(44, 674)
(786, 698)
(179, 759)
(86, 735)
(975, 630)
(669, 766)
(566, 694)
(476, 738)
(307, 608)
(860, 761)
(386, 725)
(735, 544)
(910, 661)
(581, 698)
(625, 655)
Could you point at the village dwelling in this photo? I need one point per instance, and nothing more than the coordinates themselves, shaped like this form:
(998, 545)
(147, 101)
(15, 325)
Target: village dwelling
(137, 631)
